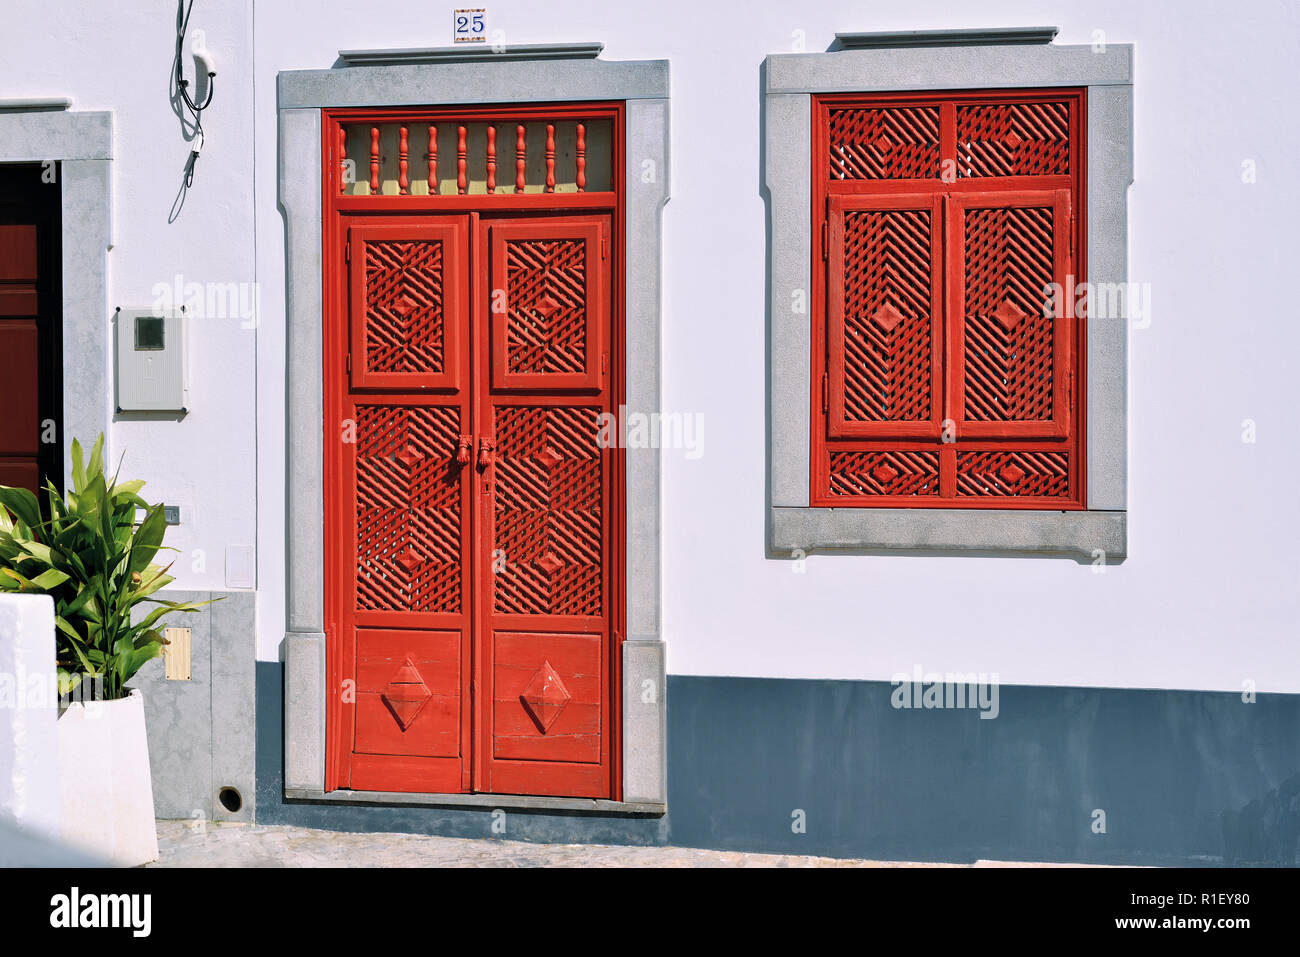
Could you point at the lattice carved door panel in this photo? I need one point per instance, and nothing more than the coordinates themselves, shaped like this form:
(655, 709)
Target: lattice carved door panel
(545, 333)
(548, 513)
(407, 296)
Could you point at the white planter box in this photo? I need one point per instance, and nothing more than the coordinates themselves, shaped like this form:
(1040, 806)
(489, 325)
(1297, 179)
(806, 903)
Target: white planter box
(105, 790)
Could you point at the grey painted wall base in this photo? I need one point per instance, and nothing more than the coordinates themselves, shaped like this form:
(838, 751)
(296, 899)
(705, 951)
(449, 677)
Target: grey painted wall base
(202, 732)
(1184, 777)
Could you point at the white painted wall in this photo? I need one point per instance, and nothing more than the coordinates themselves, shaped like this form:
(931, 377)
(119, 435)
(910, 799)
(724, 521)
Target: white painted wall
(1208, 597)
(118, 57)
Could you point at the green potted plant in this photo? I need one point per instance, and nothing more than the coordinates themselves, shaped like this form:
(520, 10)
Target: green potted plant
(88, 553)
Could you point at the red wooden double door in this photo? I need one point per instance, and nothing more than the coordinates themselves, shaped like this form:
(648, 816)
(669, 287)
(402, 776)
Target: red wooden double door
(470, 518)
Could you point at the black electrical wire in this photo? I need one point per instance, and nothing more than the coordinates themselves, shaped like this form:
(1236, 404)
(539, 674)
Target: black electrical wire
(182, 85)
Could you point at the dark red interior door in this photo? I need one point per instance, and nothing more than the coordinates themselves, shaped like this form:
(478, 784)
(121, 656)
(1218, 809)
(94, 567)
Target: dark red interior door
(20, 364)
(31, 318)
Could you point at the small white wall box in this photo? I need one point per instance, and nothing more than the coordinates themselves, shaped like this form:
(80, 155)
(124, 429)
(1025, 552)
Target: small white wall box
(151, 361)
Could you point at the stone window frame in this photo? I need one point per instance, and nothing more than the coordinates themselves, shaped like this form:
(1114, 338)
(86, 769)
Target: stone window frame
(942, 62)
(539, 73)
(81, 142)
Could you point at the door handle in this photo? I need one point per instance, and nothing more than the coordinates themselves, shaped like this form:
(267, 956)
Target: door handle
(464, 450)
(486, 456)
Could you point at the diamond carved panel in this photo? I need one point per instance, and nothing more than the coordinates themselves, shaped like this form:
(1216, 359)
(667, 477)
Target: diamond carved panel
(545, 697)
(406, 694)
(884, 473)
(1013, 139)
(1013, 474)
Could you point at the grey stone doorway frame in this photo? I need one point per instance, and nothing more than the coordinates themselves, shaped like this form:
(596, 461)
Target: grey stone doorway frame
(41, 131)
(452, 77)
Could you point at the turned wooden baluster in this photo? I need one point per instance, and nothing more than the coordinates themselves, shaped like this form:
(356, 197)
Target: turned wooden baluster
(461, 180)
(432, 157)
(582, 158)
(550, 157)
(492, 159)
(519, 159)
(403, 183)
(343, 159)
(374, 160)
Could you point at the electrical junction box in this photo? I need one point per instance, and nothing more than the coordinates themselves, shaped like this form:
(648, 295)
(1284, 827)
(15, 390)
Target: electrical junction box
(151, 361)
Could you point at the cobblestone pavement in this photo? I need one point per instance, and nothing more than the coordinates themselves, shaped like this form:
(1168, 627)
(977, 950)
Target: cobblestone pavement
(182, 844)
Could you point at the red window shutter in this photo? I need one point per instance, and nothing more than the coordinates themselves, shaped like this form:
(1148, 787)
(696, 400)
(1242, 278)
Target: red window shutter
(1010, 363)
(946, 347)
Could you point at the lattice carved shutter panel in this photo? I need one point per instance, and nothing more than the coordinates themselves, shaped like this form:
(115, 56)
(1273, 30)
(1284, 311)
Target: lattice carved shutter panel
(879, 144)
(884, 330)
(1012, 354)
(949, 348)
(1013, 139)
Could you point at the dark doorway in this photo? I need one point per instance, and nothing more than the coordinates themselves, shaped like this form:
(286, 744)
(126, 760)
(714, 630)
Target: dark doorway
(31, 324)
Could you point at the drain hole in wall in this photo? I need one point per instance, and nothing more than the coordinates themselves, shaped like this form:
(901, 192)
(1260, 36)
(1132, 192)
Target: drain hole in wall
(230, 799)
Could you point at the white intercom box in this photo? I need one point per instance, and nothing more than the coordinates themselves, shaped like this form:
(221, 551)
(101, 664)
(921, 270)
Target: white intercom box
(151, 361)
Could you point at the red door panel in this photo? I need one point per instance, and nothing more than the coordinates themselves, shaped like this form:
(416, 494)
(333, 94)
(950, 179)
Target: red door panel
(545, 545)
(408, 692)
(403, 519)
(548, 697)
(410, 498)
